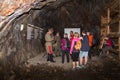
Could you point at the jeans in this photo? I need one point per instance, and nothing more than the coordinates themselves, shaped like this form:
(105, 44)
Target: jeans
(63, 55)
(83, 54)
(50, 57)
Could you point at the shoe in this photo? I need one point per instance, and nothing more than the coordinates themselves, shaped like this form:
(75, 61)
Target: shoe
(48, 60)
(83, 66)
(68, 61)
(79, 67)
(52, 61)
(73, 69)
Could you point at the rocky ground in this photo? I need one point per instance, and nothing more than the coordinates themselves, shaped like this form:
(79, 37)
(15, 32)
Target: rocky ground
(37, 68)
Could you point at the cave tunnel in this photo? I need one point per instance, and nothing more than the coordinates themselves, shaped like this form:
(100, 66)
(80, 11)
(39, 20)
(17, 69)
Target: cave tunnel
(24, 23)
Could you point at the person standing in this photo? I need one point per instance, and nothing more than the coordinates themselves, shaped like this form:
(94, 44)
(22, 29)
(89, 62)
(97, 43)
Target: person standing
(65, 47)
(90, 39)
(71, 37)
(75, 49)
(84, 50)
(57, 50)
(49, 39)
(107, 45)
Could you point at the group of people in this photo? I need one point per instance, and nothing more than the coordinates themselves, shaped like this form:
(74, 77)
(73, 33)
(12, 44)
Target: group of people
(77, 46)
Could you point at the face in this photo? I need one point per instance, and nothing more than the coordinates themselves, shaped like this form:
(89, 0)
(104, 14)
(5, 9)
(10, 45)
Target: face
(65, 36)
(76, 35)
(50, 31)
(106, 38)
(83, 34)
(88, 33)
(71, 33)
(57, 34)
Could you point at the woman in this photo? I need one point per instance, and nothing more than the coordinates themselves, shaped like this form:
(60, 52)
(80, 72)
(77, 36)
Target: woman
(65, 47)
(75, 49)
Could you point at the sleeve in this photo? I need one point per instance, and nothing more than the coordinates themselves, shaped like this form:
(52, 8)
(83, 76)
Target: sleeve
(72, 45)
(80, 44)
(62, 42)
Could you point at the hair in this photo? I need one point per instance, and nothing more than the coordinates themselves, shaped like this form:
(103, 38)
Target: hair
(71, 31)
(76, 34)
(65, 34)
(50, 29)
(84, 31)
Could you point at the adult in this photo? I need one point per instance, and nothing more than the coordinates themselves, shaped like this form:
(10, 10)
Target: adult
(84, 50)
(90, 39)
(107, 45)
(57, 49)
(49, 45)
(71, 37)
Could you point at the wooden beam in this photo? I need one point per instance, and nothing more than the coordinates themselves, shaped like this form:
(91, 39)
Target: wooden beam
(108, 20)
(35, 26)
(119, 40)
(119, 32)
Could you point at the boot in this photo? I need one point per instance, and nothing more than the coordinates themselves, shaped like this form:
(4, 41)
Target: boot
(48, 57)
(51, 58)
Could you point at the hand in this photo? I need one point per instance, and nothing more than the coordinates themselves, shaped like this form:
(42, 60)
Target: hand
(81, 38)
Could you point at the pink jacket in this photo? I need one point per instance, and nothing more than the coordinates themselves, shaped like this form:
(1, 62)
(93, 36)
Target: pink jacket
(72, 45)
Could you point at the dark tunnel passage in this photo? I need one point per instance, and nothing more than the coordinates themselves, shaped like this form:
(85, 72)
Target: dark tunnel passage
(23, 54)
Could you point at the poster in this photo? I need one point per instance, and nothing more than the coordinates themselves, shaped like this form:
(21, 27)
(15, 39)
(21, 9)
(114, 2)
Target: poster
(67, 30)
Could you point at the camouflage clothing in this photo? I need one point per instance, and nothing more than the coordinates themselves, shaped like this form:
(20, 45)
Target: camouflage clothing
(57, 49)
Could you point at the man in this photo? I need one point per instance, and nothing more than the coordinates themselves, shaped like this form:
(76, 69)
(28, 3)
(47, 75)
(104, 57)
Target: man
(107, 45)
(84, 50)
(49, 39)
(90, 38)
(57, 50)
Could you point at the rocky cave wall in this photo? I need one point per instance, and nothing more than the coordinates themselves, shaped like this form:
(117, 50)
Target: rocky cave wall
(44, 14)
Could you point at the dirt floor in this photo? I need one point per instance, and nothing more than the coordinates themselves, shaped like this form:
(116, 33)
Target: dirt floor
(37, 68)
(41, 59)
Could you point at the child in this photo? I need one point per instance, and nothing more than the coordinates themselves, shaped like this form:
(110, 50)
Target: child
(65, 47)
(84, 50)
(75, 49)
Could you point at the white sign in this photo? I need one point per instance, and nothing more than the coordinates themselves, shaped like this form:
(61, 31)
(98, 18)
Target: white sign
(67, 30)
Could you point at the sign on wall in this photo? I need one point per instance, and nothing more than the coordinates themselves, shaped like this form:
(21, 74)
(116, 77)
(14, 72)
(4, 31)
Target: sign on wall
(67, 30)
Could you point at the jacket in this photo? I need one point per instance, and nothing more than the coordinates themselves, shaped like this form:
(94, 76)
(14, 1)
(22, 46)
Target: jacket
(65, 44)
(73, 43)
(85, 44)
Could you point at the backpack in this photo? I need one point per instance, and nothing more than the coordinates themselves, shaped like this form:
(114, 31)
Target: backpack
(77, 45)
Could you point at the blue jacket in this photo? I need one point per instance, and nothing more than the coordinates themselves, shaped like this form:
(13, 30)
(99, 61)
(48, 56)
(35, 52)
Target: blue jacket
(85, 44)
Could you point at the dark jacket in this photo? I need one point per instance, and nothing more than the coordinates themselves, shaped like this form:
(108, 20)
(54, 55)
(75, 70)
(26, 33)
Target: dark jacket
(65, 44)
(85, 44)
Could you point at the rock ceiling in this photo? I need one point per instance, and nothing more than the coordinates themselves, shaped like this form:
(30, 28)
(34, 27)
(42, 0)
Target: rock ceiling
(7, 7)
(11, 9)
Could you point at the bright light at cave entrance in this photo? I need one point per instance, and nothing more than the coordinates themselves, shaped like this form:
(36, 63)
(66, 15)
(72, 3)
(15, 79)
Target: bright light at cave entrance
(22, 27)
